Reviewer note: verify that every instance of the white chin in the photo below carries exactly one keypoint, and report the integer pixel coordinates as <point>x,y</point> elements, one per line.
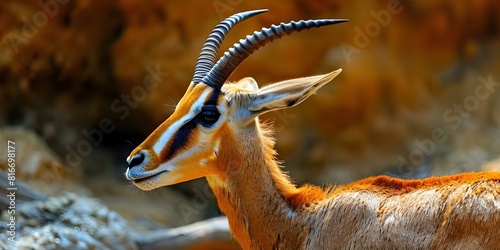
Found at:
<point>150,183</point>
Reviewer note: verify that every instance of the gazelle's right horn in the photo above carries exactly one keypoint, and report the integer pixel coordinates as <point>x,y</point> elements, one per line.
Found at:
<point>240,51</point>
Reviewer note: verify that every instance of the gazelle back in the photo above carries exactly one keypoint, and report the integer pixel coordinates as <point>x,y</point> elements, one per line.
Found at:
<point>215,133</point>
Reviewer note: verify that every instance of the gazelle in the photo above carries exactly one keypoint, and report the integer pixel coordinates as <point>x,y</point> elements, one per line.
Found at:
<point>215,132</point>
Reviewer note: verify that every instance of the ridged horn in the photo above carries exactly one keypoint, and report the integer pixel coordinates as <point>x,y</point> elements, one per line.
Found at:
<point>240,51</point>
<point>206,59</point>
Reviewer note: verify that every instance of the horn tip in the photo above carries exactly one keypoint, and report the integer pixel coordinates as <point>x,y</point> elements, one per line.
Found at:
<point>261,10</point>
<point>340,20</point>
<point>254,12</point>
<point>331,21</point>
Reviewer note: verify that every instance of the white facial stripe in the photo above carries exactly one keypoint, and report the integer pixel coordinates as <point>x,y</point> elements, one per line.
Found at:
<point>167,135</point>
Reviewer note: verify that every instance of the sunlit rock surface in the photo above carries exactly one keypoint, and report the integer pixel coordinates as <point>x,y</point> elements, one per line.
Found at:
<point>67,222</point>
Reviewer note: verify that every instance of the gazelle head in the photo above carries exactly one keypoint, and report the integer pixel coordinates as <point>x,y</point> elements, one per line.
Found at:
<point>190,142</point>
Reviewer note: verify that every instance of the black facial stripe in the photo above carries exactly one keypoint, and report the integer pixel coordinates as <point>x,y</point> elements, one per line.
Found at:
<point>213,98</point>
<point>181,138</point>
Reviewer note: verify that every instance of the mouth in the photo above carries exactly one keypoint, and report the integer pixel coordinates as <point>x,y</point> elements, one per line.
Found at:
<point>149,182</point>
<point>142,179</point>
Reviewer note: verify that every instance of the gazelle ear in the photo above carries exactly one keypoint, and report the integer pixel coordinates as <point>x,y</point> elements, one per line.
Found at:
<point>248,83</point>
<point>288,93</point>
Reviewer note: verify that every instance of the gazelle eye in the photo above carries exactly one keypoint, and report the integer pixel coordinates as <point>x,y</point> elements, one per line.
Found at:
<point>209,115</point>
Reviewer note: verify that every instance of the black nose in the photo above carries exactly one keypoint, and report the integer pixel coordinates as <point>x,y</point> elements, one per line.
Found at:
<point>137,159</point>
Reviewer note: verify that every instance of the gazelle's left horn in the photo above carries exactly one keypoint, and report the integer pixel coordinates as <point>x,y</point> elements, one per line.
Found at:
<point>206,59</point>
<point>218,75</point>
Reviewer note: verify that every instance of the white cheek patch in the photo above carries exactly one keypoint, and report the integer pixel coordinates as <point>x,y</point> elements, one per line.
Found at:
<point>167,135</point>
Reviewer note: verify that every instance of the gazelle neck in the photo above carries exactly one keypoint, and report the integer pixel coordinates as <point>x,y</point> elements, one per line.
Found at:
<point>252,191</point>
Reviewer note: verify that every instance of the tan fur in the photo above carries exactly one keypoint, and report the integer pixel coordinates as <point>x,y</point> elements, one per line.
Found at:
<point>265,210</point>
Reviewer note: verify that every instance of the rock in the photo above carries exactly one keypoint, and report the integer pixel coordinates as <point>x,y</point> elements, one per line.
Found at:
<point>34,158</point>
<point>36,164</point>
<point>67,222</point>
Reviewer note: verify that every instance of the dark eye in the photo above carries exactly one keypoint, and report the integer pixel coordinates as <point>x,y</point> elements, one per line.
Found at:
<point>209,115</point>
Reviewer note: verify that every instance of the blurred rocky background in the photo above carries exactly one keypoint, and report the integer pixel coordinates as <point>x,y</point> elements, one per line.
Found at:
<point>83,82</point>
